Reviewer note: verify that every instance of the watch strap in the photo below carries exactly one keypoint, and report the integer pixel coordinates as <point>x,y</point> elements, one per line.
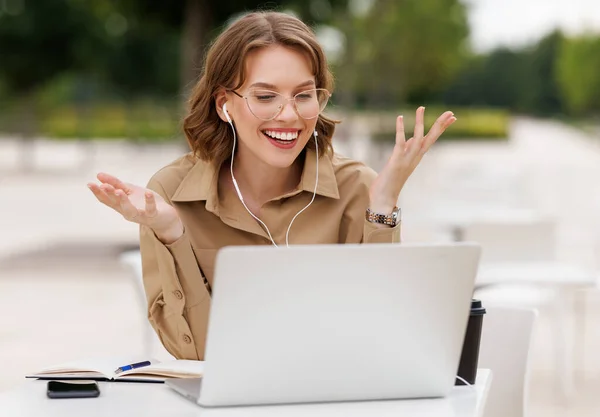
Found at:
<point>391,219</point>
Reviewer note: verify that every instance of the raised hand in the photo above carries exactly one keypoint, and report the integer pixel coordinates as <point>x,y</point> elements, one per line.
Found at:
<point>405,157</point>
<point>139,205</point>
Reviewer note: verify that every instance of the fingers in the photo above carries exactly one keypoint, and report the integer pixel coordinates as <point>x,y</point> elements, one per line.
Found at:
<point>420,123</point>
<point>150,204</point>
<point>400,136</point>
<point>414,144</point>
<point>113,181</point>
<point>406,158</point>
<point>100,194</point>
<point>440,125</point>
<point>128,210</point>
<point>110,192</point>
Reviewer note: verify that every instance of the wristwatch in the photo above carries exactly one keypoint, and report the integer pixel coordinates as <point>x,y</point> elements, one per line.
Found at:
<point>391,219</point>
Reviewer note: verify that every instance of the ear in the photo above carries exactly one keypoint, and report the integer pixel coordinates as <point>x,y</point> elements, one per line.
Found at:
<point>220,100</point>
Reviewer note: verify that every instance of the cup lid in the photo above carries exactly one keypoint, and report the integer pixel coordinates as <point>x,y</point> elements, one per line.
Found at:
<point>477,307</point>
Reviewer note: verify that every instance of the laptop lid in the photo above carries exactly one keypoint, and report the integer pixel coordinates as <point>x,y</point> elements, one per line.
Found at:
<point>337,322</point>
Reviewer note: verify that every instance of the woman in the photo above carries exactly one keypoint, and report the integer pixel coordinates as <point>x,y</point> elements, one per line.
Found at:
<point>261,171</point>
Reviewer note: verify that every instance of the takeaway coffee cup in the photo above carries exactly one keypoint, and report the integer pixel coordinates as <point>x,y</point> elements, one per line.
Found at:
<point>467,368</point>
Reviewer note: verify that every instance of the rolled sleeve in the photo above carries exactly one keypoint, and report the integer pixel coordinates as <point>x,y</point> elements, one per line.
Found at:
<point>374,234</point>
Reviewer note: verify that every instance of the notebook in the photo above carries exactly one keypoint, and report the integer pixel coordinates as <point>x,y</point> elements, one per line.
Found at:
<point>103,369</point>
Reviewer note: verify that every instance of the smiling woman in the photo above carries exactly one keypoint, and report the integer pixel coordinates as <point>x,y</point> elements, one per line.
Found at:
<point>261,157</point>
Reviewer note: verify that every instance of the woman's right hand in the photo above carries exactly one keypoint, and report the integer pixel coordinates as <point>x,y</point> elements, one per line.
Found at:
<point>139,205</point>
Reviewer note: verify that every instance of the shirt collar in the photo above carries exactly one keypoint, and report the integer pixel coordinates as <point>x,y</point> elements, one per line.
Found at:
<point>327,186</point>
<point>201,182</point>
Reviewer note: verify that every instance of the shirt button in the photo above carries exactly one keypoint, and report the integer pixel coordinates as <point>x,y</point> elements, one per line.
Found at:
<point>187,339</point>
<point>178,294</point>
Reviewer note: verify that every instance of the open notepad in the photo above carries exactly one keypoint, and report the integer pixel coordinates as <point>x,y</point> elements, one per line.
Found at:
<point>103,369</point>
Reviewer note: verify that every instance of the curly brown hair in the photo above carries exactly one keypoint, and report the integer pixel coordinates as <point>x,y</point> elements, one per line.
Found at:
<point>208,136</point>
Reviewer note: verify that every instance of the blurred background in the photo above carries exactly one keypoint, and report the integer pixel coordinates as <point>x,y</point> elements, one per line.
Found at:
<point>101,85</point>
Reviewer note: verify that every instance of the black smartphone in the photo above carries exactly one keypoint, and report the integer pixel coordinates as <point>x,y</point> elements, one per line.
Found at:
<point>73,389</point>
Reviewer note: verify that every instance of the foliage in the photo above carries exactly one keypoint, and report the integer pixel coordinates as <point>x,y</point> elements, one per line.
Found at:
<point>64,61</point>
<point>520,80</point>
<point>578,74</point>
<point>34,48</point>
<point>152,121</point>
<point>542,94</point>
<point>141,121</point>
<point>402,51</point>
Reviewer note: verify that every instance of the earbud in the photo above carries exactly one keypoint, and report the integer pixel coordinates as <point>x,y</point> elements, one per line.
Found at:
<point>226,114</point>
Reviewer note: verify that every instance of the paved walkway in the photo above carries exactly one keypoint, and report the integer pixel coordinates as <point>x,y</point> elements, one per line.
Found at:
<point>53,205</point>
<point>58,258</point>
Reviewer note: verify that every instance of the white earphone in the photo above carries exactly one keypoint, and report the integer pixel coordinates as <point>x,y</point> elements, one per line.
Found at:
<point>226,114</point>
<point>239,192</point>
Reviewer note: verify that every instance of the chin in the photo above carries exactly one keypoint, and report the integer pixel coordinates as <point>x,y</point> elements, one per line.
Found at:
<point>282,161</point>
<point>282,158</point>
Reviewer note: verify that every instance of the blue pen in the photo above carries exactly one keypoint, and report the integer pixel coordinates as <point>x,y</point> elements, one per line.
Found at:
<point>132,366</point>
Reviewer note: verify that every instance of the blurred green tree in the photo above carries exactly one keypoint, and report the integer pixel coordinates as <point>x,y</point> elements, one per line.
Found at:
<point>522,80</point>
<point>578,74</point>
<point>135,46</point>
<point>541,93</point>
<point>497,80</point>
<point>401,51</point>
<point>199,21</point>
<point>37,41</point>
<point>58,52</point>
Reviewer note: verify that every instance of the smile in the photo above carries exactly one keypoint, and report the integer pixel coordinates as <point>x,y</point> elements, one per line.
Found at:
<point>282,136</point>
<point>282,139</point>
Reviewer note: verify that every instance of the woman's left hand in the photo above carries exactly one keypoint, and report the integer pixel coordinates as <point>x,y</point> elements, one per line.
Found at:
<point>407,154</point>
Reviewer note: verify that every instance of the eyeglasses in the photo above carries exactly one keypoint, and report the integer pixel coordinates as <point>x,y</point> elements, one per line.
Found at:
<point>266,104</point>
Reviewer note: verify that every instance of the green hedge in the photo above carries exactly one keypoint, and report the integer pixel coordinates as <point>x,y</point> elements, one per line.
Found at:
<point>141,121</point>
<point>138,121</point>
<point>471,124</point>
<point>152,121</point>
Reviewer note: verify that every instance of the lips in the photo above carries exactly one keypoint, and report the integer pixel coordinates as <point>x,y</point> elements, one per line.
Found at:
<point>282,139</point>
<point>282,135</point>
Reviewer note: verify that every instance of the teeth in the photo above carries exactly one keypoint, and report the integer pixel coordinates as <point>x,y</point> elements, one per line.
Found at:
<point>282,135</point>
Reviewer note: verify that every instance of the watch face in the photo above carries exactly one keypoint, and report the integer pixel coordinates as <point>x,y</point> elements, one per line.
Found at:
<point>396,215</point>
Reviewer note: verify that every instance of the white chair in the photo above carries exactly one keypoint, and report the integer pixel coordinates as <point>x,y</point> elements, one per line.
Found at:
<point>133,261</point>
<point>519,267</point>
<point>523,252</point>
<point>151,344</point>
<point>505,349</point>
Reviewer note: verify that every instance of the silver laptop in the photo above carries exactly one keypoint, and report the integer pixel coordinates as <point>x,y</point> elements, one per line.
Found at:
<point>335,323</point>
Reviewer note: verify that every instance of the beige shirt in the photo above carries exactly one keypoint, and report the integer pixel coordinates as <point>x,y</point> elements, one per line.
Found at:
<point>178,276</point>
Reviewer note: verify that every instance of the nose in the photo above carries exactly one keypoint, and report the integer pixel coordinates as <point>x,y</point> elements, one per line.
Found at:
<point>288,112</point>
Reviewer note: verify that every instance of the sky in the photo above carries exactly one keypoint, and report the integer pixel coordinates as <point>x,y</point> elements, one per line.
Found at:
<point>515,23</point>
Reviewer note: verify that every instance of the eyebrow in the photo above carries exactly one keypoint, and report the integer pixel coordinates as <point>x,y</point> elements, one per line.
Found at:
<point>273,87</point>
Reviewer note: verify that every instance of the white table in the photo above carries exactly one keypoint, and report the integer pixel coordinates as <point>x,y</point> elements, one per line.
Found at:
<point>148,400</point>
